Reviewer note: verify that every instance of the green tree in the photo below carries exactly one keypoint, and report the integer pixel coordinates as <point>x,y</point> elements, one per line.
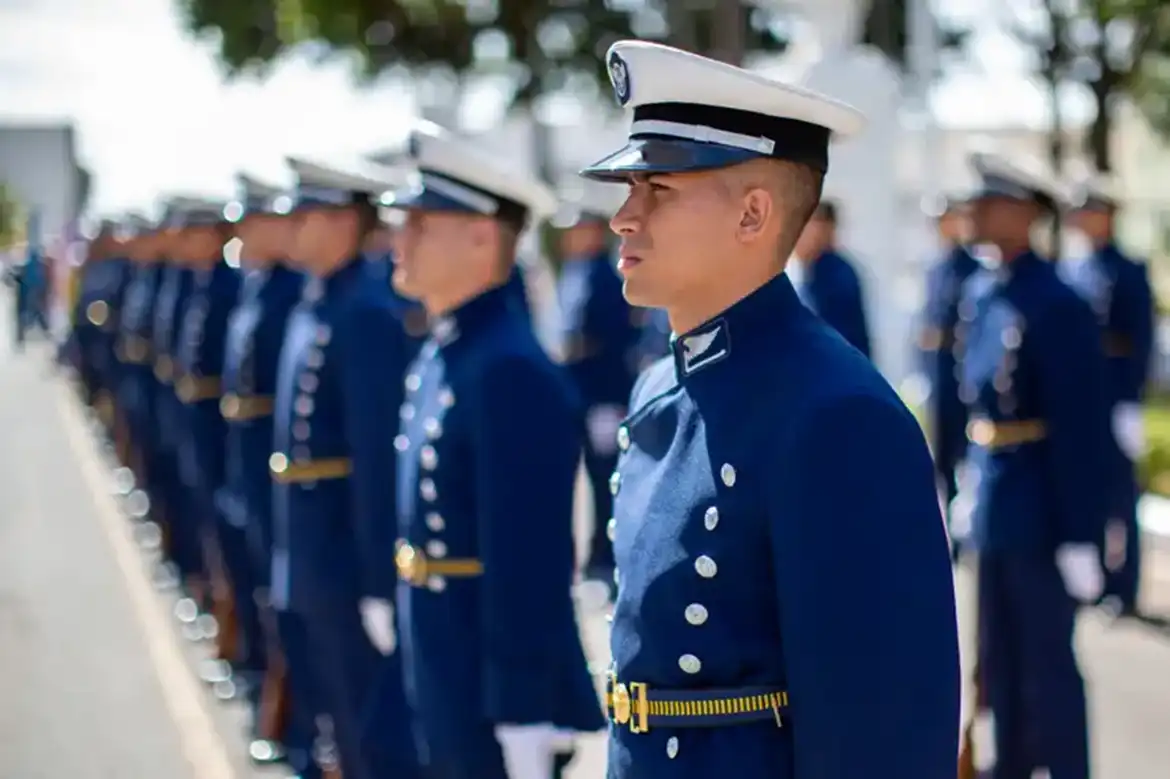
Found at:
<point>11,218</point>
<point>548,44</point>
<point>1114,48</point>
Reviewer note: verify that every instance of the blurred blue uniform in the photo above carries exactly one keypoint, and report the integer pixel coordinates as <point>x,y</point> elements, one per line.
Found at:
<point>99,306</point>
<point>832,288</point>
<point>936,343</point>
<point>1118,290</point>
<point>777,531</point>
<point>597,339</point>
<point>185,546</point>
<point>31,291</point>
<point>485,516</point>
<point>1033,377</point>
<point>337,396</point>
<point>135,352</point>
<point>198,364</point>
<point>252,352</point>
<point>255,334</point>
<point>486,531</point>
<point>340,374</point>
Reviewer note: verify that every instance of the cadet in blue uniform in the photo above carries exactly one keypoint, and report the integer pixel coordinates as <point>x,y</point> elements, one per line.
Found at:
<point>597,340</point>
<point>1118,289</point>
<point>198,361</point>
<point>270,289</point>
<point>135,353</point>
<point>170,500</point>
<point>1033,377</point>
<point>337,397</point>
<point>485,553</point>
<point>829,283</point>
<point>936,342</point>
<point>785,605</point>
<point>95,315</point>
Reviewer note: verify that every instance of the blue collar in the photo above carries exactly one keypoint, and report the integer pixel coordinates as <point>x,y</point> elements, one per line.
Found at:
<point>756,316</point>
<point>473,314</point>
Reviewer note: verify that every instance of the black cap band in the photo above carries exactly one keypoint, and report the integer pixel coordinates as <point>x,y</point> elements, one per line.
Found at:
<point>769,136</point>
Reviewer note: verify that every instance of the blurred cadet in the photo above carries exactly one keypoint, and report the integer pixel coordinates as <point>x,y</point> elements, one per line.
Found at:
<point>947,425</point>
<point>768,474</point>
<point>95,316</point>
<point>170,500</point>
<point>597,340</point>
<point>197,365</point>
<point>32,284</point>
<point>378,248</point>
<point>828,282</point>
<point>262,237</point>
<point>1118,289</point>
<point>137,389</point>
<point>101,307</point>
<point>339,387</point>
<point>1033,499</point>
<point>485,515</point>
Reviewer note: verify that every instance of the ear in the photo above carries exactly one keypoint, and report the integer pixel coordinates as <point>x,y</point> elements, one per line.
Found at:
<point>756,211</point>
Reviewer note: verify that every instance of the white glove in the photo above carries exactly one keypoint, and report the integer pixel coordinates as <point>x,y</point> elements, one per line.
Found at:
<point>603,423</point>
<point>1129,429</point>
<point>963,504</point>
<point>378,620</point>
<point>528,750</point>
<point>1080,568</point>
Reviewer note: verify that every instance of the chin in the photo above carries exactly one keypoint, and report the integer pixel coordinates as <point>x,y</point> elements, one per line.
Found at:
<point>639,294</point>
<point>401,281</point>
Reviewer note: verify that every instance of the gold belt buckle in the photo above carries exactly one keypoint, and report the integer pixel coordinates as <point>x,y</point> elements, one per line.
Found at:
<point>630,704</point>
<point>411,564</point>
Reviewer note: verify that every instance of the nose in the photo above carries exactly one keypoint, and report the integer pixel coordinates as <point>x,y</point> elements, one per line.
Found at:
<point>628,218</point>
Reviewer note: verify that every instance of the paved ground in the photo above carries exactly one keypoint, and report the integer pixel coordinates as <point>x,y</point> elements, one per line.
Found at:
<point>99,685</point>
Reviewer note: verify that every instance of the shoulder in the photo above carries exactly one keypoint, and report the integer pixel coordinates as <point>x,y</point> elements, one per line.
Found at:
<point>812,373</point>
<point>979,285</point>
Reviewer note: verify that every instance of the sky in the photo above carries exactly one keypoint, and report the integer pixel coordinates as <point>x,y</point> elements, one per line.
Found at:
<point>154,113</point>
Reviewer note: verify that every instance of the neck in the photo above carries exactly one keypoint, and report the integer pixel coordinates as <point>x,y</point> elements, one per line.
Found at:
<point>449,300</point>
<point>715,300</point>
<point>260,263</point>
<point>1010,250</point>
<point>204,263</point>
<point>1103,242</point>
<point>814,255</point>
<point>327,267</point>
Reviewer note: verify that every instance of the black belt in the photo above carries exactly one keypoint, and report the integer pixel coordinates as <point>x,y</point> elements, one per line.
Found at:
<point>636,705</point>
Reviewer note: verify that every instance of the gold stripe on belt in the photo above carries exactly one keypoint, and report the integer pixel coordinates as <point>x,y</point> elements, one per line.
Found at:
<point>164,369</point>
<point>285,471</point>
<point>1001,435</point>
<point>134,350</point>
<point>242,408</point>
<point>196,389</point>
<point>414,567</point>
<point>932,339</point>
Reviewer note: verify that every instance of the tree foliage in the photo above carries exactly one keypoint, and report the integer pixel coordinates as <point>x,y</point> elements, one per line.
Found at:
<point>546,43</point>
<point>1114,48</point>
<point>11,217</point>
